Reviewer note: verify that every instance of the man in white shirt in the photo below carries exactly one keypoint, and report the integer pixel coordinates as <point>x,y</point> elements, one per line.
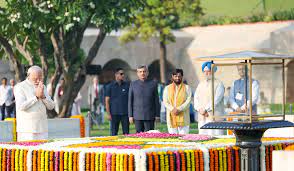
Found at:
<point>6,96</point>
<point>202,100</point>
<point>176,99</point>
<point>95,99</point>
<point>32,100</point>
<point>237,93</point>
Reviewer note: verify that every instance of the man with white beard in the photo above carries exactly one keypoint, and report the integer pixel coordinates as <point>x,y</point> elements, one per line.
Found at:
<point>202,100</point>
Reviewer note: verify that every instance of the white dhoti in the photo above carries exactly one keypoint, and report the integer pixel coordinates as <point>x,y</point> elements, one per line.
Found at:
<point>25,136</point>
<point>179,130</point>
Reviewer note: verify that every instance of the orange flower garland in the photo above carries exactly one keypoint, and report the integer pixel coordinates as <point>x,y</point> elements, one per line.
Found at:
<point>237,165</point>
<point>216,166</point>
<point>92,156</point>
<point>150,161</point>
<point>211,160</point>
<point>156,161</point>
<point>25,152</point>
<point>87,161</point>
<point>82,124</point>
<point>4,159</point>
<point>229,159</point>
<point>61,162</point>
<point>125,162</point>
<point>182,154</point>
<point>171,160</point>
<point>289,148</point>
<point>131,162</point>
<point>201,160</point>
<point>51,160</point>
<point>113,162</point>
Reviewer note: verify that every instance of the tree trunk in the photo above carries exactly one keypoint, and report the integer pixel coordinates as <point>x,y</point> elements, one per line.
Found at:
<point>18,68</point>
<point>74,82</point>
<point>162,62</point>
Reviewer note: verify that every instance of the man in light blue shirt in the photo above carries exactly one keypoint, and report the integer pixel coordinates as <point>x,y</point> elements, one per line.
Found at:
<point>237,93</point>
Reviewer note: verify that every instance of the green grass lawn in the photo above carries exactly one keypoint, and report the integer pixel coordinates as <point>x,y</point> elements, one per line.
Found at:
<point>243,7</point>
<point>104,130</point>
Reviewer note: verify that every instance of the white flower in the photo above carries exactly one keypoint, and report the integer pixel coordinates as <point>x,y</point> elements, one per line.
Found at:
<point>124,10</point>
<point>48,2</point>
<point>76,19</point>
<point>42,30</point>
<point>66,13</point>
<point>18,14</point>
<point>27,25</point>
<point>92,5</point>
<point>68,26</point>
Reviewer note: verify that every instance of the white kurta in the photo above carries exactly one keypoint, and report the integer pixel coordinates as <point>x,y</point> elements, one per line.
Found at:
<point>202,99</point>
<point>183,108</point>
<point>31,114</point>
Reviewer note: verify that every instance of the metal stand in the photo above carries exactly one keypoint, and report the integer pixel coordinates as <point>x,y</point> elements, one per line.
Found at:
<point>248,138</point>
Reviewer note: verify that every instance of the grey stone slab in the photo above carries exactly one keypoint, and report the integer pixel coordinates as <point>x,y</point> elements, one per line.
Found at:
<point>6,131</point>
<point>64,128</point>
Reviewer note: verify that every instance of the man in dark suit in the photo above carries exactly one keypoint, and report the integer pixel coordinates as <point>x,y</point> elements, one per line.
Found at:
<point>144,106</point>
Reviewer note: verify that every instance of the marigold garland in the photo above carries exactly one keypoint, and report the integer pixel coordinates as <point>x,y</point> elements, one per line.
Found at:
<point>21,161</point>
<point>12,159</point>
<point>131,162</point>
<point>156,161</point>
<point>220,154</point>
<point>188,160</point>
<point>150,161</point>
<point>61,162</point>
<point>166,162</point>
<point>82,124</point>
<point>229,151</point>
<point>16,160</point>
<point>46,160</point>
<point>289,148</point>
<point>113,160</point>
<point>96,161</point>
<point>70,160</point>
<point>117,162</point>
<point>65,161</point>
<point>201,161</point>
<point>51,160</point>
<point>125,166</point>
<point>4,159</point>
<point>237,159</point>
<point>92,161</point>
<point>87,160</point>
<point>183,160</point>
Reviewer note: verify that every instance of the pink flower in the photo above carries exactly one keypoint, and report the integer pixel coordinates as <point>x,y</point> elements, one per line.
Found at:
<point>153,135</point>
<point>196,137</point>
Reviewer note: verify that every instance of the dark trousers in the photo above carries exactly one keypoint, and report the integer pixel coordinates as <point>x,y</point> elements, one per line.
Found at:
<point>2,112</point>
<point>9,110</point>
<point>115,120</point>
<point>144,125</point>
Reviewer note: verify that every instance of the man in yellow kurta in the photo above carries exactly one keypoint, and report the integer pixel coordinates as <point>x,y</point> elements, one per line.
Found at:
<point>176,99</point>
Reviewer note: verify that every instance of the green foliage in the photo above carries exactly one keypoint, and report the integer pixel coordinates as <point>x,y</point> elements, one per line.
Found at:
<point>159,17</point>
<point>258,17</point>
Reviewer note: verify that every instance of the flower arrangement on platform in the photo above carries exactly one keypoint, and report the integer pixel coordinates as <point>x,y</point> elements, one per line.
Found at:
<point>153,135</point>
<point>82,124</point>
<point>112,153</point>
<point>196,137</point>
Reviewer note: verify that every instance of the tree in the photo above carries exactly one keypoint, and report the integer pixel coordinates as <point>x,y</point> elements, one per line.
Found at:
<point>158,18</point>
<point>51,32</point>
